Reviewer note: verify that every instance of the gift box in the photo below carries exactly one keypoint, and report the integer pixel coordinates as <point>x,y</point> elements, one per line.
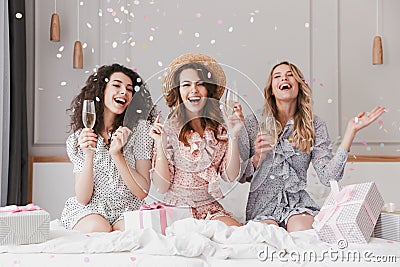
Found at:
<point>23,225</point>
<point>157,216</point>
<point>388,226</point>
<point>349,214</point>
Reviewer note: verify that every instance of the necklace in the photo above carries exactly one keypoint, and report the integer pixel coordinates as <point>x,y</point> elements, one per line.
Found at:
<point>107,141</point>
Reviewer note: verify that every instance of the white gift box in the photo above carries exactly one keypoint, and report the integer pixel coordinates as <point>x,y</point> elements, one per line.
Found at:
<point>349,214</point>
<point>21,225</point>
<point>157,216</point>
<point>388,226</point>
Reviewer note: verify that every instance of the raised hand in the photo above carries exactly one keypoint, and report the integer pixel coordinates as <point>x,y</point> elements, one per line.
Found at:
<point>156,130</point>
<point>119,139</point>
<point>235,121</point>
<point>363,119</point>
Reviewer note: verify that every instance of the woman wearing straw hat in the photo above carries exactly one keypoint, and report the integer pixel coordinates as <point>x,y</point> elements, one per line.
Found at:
<point>191,152</point>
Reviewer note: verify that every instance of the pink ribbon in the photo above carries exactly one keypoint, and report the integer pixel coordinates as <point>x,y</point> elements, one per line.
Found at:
<point>341,199</point>
<point>162,207</point>
<point>15,208</point>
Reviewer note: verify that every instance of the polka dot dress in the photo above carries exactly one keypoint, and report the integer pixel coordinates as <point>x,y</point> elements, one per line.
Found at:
<point>110,196</point>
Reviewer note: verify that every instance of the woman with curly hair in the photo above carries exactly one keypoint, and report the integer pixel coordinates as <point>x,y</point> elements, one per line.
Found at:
<point>111,161</point>
<point>277,169</point>
<point>190,149</point>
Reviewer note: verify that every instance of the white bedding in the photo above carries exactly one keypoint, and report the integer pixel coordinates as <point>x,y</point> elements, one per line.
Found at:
<point>192,242</point>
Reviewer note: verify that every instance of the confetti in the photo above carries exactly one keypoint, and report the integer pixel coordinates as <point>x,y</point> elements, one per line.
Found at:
<point>139,111</point>
<point>382,145</point>
<point>114,44</point>
<point>307,25</point>
<point>106,80</point>
<point>230,29</point>
<point>133,43</point>
<point>321,84</point>
<point>128,59</point>
<point>110,10</point>
<point>151,38</point>
<point>97,99</point>
<point>132,258</point>
<point>368,148</point>
<point>137,88</point>
<point>100,13</point>
<point>86,259</point>
<point>219,21</point>
<point>40,89</point>
<point>63,83</point>
<point>209,75</point>
<point>18,15</point>
<point>160,63</point>
<point>180,32</point>
<point>92,50</point>
<point>380,122</point>
<point>136,2</point>
<point>88,25</point>
<point>251,19</point>
<point>197,35</point>
<point>116,20</point>
<point>81,3</point>
<point>276,28</point>
<point>61,48</point>
<point>198,15</point>
<point>59,55</point>
<point>59,98</point>
<point>138,80</point>
<point>212,41</point>
<point>330,101</point>
<point>84,45</point>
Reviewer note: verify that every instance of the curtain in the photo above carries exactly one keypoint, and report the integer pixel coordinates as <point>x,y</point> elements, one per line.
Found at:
<point>4,102</point>
<point>18,131</point>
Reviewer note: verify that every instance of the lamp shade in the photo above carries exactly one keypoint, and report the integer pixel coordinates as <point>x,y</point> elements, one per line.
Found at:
<point>377,53</point>
<point>55,28</point>
<point>78,55</point>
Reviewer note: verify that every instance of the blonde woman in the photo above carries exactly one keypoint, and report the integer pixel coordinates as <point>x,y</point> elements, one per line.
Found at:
<point>277,169</point>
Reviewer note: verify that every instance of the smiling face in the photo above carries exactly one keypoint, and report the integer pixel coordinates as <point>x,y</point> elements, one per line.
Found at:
<point>192,91</point>
<point>284,85</point>
<point>118,93</point>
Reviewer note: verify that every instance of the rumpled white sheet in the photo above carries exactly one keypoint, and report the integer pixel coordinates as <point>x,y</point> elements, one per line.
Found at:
<point>193,238</point>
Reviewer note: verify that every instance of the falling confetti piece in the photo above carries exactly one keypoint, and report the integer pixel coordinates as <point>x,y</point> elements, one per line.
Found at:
<point>61,48</point>
<point>110,10</point>
<point>313,174</point>
<point>251,19</point>
<point>212,41</point>
<point>88,25</point>
<point>138,80</point>
<point>100,13</point>
<point>128,59</point>
<point>132,258</point>
<point>160,63</point>
<point>321,84</point>
<point>364,142</point>
<point>307,25</point>
<point>59,98</point>
<point>351,169</point>
<point>198,45</point>
<point>198,15</point>
<point>97,99</point>
<point>52,256</point>
<point>137,88</point>
<point>133,43</point>
<point>18,15</point>
<point>197,35</point>
<point>382,145</point>
<point>114,44</point>
<point>139,111</point>
<point>151,38</point>
<point>230,29</point>
<point>368,148</point>
<point>63,83</point>
<point>92,50</point>
<point>272,177</point>
<point>144,46</point>
<point>209,75</point>
<point>380,122</point>
<point>116,20</point>
<point>180,32</point>
<point>276,28</point>
<point>84,45</point>
<point>40,89</point>
<point>86,259</point>
<point>136,2</point>
<point>345,118</point>
<point>219,21</point>
<point>59,55</point>
<point>106,80</point>
<point>81,3</point>
<point>330,101</point>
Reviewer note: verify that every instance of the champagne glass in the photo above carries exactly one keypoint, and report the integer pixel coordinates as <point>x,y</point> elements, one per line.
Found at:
<point>88,114</point>
<point>269,128</point>
<point>230,98</point>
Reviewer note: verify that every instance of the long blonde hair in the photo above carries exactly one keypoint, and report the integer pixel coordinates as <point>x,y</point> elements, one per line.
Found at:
<point>303,131</point>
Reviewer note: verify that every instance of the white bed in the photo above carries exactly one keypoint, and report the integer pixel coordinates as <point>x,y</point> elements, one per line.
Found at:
<point>191,242</point>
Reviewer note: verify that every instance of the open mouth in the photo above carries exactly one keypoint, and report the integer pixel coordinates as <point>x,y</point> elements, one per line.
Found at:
<point>285,86</point>
<point>120,101</point>
<point>194,99</point>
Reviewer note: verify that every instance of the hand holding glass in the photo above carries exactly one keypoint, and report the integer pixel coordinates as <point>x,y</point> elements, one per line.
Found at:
<point>88,114</point>
<point>269,128</point>
<point>230,98</point>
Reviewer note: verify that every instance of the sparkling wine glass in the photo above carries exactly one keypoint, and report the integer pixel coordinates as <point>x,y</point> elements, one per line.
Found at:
<point>269,128</point>
<point>230,98</point>
<point>88,114</point>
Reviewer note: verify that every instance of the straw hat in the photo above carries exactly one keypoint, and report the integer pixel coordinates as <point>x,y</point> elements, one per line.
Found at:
<point>215,70</point>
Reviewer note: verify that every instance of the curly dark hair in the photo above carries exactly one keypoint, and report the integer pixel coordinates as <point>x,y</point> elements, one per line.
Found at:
<point>94,89</point>
<point>211,116</point>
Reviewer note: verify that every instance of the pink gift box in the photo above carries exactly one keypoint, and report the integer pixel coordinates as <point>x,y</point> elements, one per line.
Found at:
<point>349,214</point>
<point>157,216</point>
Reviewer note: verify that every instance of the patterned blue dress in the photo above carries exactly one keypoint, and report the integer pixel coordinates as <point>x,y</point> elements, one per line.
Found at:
<point>277,189</point>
